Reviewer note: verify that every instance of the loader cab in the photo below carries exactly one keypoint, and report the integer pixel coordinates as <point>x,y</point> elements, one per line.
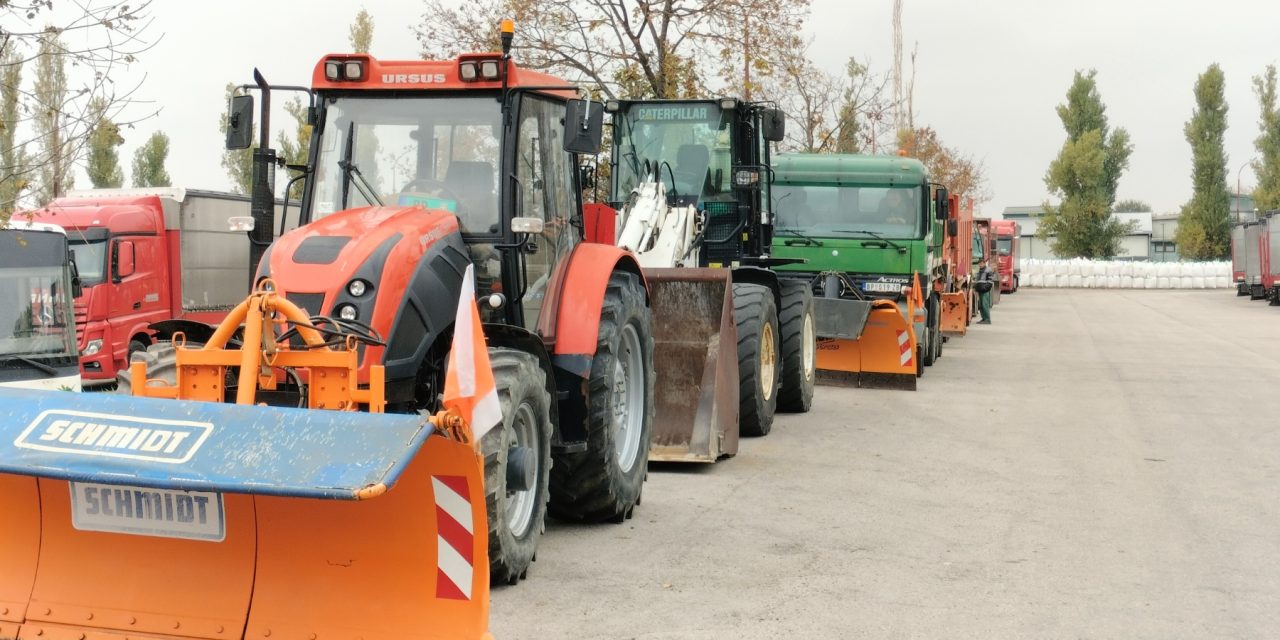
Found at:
<point>710,154</point>
<point>494,157</point>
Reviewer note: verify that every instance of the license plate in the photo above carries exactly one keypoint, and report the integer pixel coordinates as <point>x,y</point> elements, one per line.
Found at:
<point>162,513</point>
<point>882,287</point>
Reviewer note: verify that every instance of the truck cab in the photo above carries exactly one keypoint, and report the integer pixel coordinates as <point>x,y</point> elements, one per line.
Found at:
<point>147,256</point>
<point>1006,232</point>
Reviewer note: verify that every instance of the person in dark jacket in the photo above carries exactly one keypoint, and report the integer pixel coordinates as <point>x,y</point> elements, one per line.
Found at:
<point>988,276</point>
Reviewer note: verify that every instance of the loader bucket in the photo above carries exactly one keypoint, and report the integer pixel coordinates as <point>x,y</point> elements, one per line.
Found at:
<point>879,352</point>
<point>955,313</point>
<point>696,357</point>
<point>139,517</point>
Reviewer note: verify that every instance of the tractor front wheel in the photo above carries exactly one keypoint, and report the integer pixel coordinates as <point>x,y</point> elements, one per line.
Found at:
<point>517,460</point>
<point>603,483</point>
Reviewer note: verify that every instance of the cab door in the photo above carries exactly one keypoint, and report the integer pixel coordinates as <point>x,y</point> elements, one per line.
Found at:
<point>138,281</point>
<point>545,190</point>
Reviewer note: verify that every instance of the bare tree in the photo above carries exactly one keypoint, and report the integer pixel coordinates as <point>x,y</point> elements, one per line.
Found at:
<point>625,48</point>
<point>830,113</point>
<point>81,49</point>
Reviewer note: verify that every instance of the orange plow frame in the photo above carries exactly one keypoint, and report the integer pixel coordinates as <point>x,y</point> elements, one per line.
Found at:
<point>883,356</point>
<point>409,561</point>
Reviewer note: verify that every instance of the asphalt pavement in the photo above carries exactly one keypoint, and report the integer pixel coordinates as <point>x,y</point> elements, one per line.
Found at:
<point>1096,464</point>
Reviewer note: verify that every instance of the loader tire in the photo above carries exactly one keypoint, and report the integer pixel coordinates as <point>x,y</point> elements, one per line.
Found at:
<point>162,365</point>
<point>799,347</point>
<point>756,316</point>
<point>516,518</point>
<point>604,482</point>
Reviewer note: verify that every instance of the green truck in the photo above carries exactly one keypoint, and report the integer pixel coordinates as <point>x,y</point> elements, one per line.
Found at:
<point>866,226</point>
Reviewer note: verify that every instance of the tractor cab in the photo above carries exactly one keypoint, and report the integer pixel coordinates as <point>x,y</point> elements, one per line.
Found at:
<point>710,154</point>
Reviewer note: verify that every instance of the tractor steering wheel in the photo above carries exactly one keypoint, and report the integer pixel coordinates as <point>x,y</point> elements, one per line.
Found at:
<point>428,185</point>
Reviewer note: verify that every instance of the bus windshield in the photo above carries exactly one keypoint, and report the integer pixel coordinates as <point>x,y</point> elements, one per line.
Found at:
<point>35,296</point>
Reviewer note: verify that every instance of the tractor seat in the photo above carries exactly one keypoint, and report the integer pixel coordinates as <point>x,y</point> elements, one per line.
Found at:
<point>472,182</point>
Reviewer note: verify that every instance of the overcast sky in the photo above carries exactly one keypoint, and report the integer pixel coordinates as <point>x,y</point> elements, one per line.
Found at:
<point>988,75</point>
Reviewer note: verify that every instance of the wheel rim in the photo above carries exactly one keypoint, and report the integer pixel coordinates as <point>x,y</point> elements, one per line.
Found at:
<point>810,347</point>
<point>768,361</point>
<point>628,399</point>
<point>521,504</point>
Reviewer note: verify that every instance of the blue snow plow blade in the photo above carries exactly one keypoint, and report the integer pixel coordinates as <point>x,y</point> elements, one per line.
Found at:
<point>205,446</point>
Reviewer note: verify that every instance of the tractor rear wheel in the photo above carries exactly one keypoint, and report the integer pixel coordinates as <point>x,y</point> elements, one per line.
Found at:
<point>799,347</point>
<point>756,315</point>
<point>603,483</point>
<point>517,459</point>
<point>162,364</point>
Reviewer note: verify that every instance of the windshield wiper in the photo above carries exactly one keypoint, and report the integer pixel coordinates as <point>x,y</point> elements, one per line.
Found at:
<point>350,170</point>
<point>799,238</point>
<point>362,185</point>
<point>900,248</point>
<point>34,364</point>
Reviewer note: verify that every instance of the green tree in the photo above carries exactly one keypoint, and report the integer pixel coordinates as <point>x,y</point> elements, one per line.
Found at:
<point>52,122</point>
<point>1085,176</point>
<point>238,163</point>
<point>104,163</point>
<point>1204,228</point>
<point>1131,206</point>
<point>13,160</point>
<point>361,34</point>
<point>148,162</point>
<point>1267,166</point>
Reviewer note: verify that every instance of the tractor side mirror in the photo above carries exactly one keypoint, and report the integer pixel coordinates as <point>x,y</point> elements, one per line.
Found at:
<point>240,122</point>
<point>583,126</point>
<point>942,207</point>
<point>774,125</point>
<point>124,263</point>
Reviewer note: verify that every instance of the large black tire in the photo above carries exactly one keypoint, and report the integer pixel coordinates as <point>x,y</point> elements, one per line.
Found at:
<point>756,315</point>
<point>162,365</point>
<point>799,347</point>
<point>933,339</point>
<point>604,482</point>
<point>516,518</point>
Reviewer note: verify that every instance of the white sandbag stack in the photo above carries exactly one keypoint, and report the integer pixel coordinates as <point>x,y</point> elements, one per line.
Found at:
<point>1080,273</point>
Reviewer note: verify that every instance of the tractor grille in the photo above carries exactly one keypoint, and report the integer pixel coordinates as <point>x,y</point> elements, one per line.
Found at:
<point>309,302</point>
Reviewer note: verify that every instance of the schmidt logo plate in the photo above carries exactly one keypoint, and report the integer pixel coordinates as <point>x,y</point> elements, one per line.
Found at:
<point>115,436</point>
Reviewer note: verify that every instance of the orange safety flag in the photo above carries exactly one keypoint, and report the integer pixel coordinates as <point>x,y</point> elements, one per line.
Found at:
<point>468,383</point>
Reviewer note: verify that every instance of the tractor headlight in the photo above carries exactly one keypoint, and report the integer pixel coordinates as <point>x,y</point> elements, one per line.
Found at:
<point>468,71</point>
<point>93,347</point>
<point>348,312</point>
<point>489,69</point>
<point>353,70</point>
<point>332,70</point>
<point>357,288</point>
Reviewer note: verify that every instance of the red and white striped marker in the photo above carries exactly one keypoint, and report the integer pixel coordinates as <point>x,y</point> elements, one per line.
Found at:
<point>455,539</point>
<point>904,348</point>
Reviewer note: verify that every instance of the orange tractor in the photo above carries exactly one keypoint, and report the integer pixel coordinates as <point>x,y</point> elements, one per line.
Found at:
<point>334,498</point>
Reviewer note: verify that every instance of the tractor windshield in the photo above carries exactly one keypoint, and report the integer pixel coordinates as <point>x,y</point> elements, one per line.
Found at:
<point>438,152</point>
<point>688,144</point>
<point>889,211</point>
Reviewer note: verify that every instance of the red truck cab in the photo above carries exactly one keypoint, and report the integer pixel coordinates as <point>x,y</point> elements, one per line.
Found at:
<point>147,256</point>
<point>1007,232</point>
